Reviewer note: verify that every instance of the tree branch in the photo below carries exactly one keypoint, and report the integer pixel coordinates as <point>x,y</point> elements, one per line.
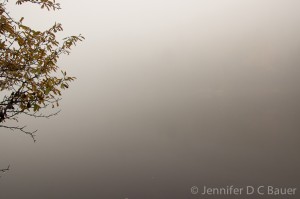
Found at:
<point>22,129</point>
<point>4,170</point>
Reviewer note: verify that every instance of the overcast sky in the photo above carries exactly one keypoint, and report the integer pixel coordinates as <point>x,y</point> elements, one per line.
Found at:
<point>169,94</point>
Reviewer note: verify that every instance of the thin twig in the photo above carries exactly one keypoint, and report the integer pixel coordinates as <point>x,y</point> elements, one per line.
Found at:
<point>4,170</point>
<point>22,129</point>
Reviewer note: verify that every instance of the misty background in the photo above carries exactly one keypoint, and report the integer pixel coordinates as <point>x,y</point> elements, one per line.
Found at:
<point>169,95</point>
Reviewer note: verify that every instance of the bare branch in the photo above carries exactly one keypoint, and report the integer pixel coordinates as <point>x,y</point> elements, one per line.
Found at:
<point>5,170</point>
<point>35,115</point>
<point>22,129</point>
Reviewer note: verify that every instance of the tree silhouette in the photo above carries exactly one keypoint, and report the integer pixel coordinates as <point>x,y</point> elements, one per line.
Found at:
<point>30,79</point>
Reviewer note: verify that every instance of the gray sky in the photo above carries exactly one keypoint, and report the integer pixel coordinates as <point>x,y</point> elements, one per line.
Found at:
<point>170,94</point>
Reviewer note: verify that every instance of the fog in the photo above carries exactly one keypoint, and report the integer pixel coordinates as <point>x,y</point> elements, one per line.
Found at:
<point>169,95</point>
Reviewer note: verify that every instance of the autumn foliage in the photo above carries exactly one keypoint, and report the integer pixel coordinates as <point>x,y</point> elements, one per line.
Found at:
<point>30,78</point>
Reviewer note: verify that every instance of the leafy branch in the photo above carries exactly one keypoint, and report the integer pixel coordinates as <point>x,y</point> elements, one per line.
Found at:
<point>30,79</point>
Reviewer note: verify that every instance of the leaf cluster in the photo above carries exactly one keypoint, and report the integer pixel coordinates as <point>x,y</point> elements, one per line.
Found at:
<point>30,78</point>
